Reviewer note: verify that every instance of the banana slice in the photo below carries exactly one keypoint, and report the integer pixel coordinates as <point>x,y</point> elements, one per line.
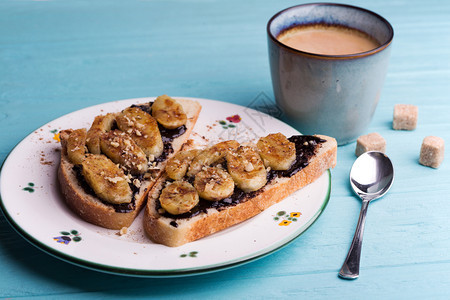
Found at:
<point>246,168</point>
<point>101,124</point>
<point>75,146</point>
<point>213,184</point>
<point>178,164</point>
<point>211,155</point>
<point>143,129</point>
<point>277,151</point>
<point>106,179</point>
<point>121,149</point>
<point>168,112</point>
<point>178,198</point>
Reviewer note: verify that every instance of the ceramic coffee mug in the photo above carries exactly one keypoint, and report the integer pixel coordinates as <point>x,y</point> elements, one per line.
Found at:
<point>335,95</point>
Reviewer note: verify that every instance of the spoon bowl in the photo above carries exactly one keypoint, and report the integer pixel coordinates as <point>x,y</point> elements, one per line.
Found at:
<point>371,177</point>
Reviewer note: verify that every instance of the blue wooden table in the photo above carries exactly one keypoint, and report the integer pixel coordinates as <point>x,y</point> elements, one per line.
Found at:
<point>61,56</point>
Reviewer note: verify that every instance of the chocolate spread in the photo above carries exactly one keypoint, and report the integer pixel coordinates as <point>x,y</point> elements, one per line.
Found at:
<point>305,148</point>
<point>168,135</point>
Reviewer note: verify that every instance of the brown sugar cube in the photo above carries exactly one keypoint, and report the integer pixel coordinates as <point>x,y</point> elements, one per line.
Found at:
<point>405,117</point>
<point>432,151</point>
<point>370,142</point>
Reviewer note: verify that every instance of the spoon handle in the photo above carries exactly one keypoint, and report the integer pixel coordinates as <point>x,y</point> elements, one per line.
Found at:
<point>350,268</point>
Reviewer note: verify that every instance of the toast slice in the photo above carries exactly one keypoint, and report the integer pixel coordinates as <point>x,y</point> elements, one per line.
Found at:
<point>312,160</point>
<point>83,200</point>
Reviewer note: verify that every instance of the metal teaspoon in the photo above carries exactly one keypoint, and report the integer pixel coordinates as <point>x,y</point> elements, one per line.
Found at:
<point>371,177</point>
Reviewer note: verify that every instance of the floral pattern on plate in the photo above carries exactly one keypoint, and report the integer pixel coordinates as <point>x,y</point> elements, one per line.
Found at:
<point>67,237</point>
<point>286,218</point>
<point>232,121</point>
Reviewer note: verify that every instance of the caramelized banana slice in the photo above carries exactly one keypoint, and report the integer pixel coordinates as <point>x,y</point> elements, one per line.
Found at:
<point>247,169</point>
<point>178,164</point>
<point>75,146</point>
<point>101,124</point>
<point>106,179</point>
<point>213,184</point>
<point>211,155</point>
<point>143,129</point>
<point>178,197</point>
<point>121,149</point>
<point>277,151</point>
<point>168,112</point>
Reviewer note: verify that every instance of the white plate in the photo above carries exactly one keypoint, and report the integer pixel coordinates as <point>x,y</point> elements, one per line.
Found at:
<point>33,204</point>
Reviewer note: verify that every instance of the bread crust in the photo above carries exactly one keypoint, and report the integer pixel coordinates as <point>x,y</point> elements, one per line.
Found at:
<point>159,229</point>
<point>95,211</point>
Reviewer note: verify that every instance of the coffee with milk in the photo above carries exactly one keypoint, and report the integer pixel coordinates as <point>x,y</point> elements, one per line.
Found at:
<point>327,40</point>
